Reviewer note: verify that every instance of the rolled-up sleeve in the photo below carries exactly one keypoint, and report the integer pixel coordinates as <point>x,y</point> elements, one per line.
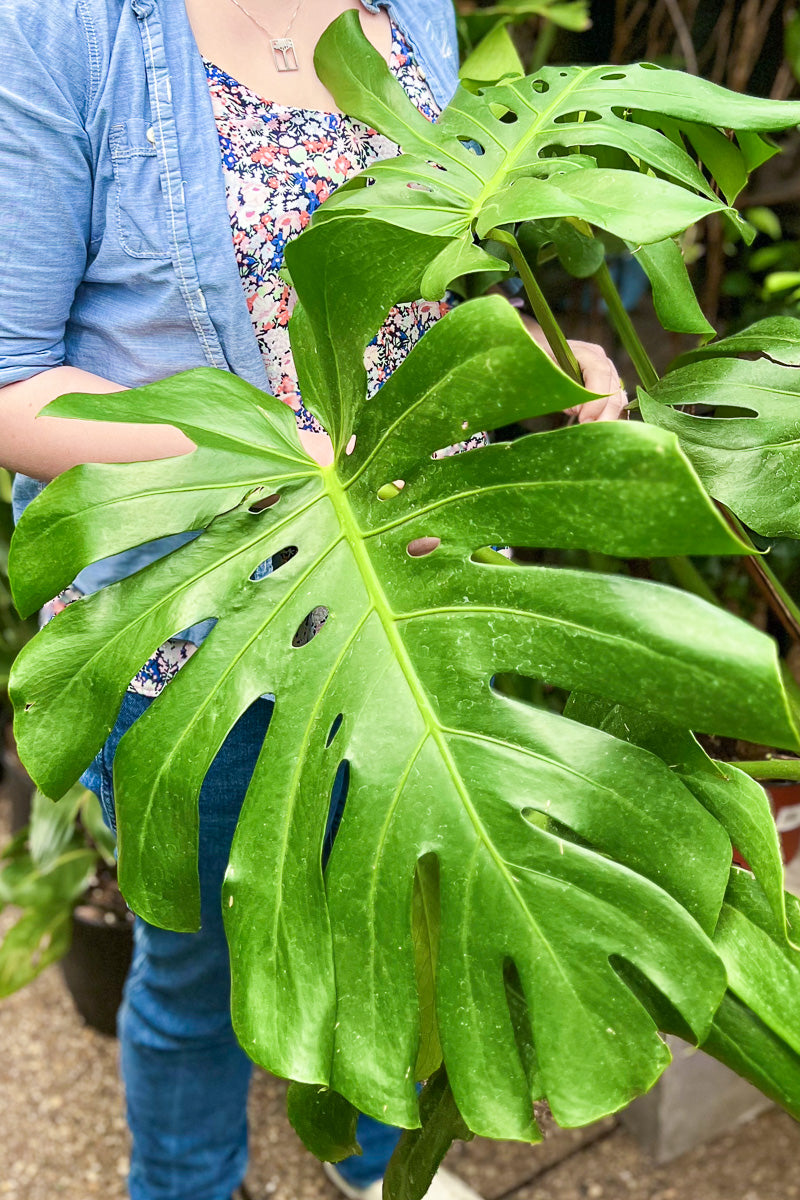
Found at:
<point>45,179</point>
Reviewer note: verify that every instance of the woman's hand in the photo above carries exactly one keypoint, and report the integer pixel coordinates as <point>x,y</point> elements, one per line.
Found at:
<point>599,375</point>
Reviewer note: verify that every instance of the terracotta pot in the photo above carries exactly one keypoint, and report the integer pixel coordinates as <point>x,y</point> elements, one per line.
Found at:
<point>96,966</point>
<point>785,801</point>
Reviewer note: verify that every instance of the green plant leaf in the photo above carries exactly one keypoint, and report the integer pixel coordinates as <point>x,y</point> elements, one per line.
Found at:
<point>561,850</point>
<point>748,1046</point>
<point>58,885</point>
<point>324,1121</point>
<point>734,799</point>
<point>777,338</point>
<point>623,203</point>
<point>674,299</point>
<point>578,253</point>
<point>763,968</point>
<point>494,57</point>
<point>52,826</point>
<point>569,14</point>
<point>750,462</point>
<point>40,937</point>
<point>520,150</point>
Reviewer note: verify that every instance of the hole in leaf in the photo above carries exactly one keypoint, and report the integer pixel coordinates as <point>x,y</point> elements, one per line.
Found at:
<point>341,786</point>
<point>334,729</point>
<point>563,74</point>
<point>540,85</point>
<point>273,564</point>
<point>509,117</point>
<point>722,412</point>
<point>615,75</point>
<point>351,445</point>
<point>420,547</point>
<point>519,1011</point>
<point>650,66</point>
<point>264,502</point>
<point>578,116</point>
<point>415,186</point>
<point>531,691</point>
<point>473,146</point>
<point>390,490</point>
<point>310,626</point>
<point>425,925</point>
<point>29,706</point>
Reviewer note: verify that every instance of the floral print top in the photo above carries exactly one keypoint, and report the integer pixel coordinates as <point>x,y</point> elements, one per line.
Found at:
<point>280,163</point>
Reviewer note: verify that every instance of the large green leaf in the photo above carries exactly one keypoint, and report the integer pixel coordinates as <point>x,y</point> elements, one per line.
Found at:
<point>735,800</point>
<point>763,968</point>
<point>749,456</point>
<point>549,145</point>
<point>560,848</point>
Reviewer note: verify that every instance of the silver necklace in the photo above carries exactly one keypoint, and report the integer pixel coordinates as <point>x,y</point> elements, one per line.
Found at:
<point>283,47</point>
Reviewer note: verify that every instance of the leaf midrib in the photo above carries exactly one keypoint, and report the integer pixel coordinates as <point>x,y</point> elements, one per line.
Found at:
<point>436,731</point>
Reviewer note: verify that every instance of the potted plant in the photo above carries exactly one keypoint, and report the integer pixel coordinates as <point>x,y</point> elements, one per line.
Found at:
<point>517,898</point>
<point>60,870</point>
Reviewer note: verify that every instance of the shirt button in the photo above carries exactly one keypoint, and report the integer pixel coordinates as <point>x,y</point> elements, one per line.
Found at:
<point>151,135</point>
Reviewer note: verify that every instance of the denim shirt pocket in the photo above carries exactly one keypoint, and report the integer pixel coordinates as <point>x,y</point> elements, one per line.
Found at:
<point>140,209</point>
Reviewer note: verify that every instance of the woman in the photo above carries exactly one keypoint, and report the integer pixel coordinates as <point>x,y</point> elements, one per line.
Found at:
<point>155,157</point>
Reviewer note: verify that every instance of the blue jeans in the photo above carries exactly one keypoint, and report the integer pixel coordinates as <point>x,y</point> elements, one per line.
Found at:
<point>186,1077</point>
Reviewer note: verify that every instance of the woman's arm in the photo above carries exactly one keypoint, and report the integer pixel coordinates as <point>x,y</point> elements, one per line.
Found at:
<point>43,447</point>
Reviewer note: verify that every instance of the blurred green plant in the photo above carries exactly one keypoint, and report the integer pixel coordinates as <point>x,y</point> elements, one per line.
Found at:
<point>45,871</point>
<point>476,23</point>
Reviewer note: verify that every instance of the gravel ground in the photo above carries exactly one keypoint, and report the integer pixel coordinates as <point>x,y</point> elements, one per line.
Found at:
<point>62,1133</point>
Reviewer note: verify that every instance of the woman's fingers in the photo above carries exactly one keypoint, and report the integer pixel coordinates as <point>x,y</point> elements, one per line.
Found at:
<point>599,375</point>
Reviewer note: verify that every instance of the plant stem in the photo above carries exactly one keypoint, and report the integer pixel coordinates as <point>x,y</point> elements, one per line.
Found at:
<point>544,44</point>
<point>541,309</point>
<point>769,768</point>
<point>690,579</point>
<point>767,582</point>
<point>625,328</point>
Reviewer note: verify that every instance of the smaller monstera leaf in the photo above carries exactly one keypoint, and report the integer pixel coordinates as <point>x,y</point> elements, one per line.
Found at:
<point>742,428</point>
<point>736,801</point>
<point>545,146</point>
<point>762,965</point>
<point>562,851</point>
<point>479,22</point>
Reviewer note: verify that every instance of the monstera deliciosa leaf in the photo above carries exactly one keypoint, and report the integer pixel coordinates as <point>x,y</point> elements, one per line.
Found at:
<point>615,146</point>
<point>742,427</point>
<point>480,835</point>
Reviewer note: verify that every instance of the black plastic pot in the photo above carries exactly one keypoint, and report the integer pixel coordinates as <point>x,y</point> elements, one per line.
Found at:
<point>96,966</point>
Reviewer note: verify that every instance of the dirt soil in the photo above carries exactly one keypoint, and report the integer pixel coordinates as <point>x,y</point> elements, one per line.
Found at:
<point>63,1135</point>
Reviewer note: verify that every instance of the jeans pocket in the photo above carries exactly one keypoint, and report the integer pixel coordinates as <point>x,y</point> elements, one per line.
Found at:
<point>140,209</point>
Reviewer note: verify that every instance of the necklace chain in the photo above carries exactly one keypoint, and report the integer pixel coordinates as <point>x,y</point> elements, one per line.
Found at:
<point>263,27</point>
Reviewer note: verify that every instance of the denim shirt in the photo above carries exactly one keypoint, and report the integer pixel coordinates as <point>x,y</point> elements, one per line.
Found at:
<point>115,239</point>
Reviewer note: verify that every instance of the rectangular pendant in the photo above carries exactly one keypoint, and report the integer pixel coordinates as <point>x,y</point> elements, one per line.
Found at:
<point>284,55</point>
